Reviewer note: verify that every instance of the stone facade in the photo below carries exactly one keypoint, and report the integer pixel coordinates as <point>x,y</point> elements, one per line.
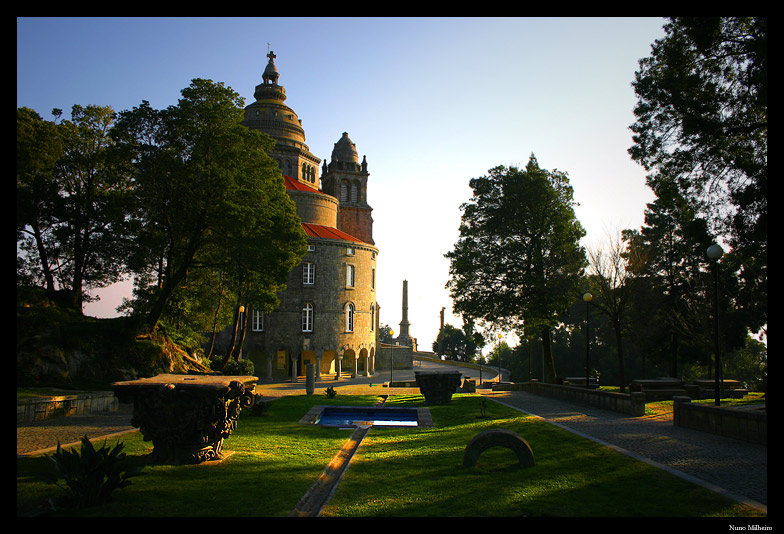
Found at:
<point>328,314</point>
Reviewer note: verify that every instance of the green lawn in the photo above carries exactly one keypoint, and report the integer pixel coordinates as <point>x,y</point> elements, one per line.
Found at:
<point>397,472</point>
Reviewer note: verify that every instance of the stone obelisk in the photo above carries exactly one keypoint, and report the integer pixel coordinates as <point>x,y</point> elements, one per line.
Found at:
<point>404,337</point>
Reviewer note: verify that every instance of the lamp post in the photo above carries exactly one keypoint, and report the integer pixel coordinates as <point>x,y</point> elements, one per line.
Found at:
<point>242,330</point>
<point>715,252</point>
<point>391,360</point>
<point>587,297</point>
<point>499,357</point>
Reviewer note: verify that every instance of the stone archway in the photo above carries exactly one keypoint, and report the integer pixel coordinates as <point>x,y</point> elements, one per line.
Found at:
<point>328,361</point>
<point>498,437</point>
<point>349,361</point>
<point>364,363</point>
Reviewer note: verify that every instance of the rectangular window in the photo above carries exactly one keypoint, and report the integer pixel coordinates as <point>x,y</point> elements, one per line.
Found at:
<point>350,251</point>
<point>308,274</point>
<point>311,248</point>
<point>349,276</point>
<point>257,321</point>
<point>307,318</point>
<point>373,278</point>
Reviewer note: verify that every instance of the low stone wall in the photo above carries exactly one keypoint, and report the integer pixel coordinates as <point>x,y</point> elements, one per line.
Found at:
<point>402,356</point>
<point>38,408</point>
<point>631,404</point>
<point>743,424</point>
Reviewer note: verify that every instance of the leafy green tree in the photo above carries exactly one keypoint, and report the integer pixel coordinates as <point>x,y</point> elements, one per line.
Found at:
<point>385,334</point>
<point>208,197</point>
<point>615,270</point>
<point>455,344</point>
<point>673,241</point>
<point>74,206</point>
<point>518,261</point>
<point>38,147</point>
<point>702,125</point>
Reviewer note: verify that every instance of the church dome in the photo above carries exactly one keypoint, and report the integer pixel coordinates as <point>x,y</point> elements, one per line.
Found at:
<point>345,150</point>
<point>270,115</point>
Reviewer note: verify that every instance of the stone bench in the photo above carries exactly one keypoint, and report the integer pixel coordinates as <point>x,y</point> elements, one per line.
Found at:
<point>579,381</point>
<point>706,389</point>
<point>659,388</point>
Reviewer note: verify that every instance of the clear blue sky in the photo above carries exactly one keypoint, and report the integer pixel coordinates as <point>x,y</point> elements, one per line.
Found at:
<point>431,102</point>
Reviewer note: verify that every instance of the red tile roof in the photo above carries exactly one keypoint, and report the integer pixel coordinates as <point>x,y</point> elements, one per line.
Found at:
<point>296,185</point>
<point>317,230</point>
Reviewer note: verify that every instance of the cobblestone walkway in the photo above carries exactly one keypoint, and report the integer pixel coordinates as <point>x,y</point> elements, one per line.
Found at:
<point>730,466</point>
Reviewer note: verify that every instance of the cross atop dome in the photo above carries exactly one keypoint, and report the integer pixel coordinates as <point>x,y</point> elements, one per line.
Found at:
<point>271,72</point>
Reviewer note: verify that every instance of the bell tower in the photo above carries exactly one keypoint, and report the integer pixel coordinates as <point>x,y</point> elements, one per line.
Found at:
<point>346,179</point>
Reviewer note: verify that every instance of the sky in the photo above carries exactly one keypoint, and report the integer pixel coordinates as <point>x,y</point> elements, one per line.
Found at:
<point>430,102</point>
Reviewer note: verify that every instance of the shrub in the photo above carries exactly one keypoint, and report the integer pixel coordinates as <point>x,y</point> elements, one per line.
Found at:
<point>330,392</point>
<point>233,367</point>
<point>92,477</point>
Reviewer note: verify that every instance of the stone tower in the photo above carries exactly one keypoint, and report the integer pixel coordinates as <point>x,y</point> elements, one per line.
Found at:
<point>270,115</point>
<point>346,179</point>
<point>328,315</point>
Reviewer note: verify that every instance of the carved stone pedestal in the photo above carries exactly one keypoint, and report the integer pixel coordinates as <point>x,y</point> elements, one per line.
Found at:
<point>437,386</point>
<point>186,417</point>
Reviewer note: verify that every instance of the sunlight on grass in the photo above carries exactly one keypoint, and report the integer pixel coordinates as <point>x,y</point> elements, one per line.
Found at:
<point>396,472</point>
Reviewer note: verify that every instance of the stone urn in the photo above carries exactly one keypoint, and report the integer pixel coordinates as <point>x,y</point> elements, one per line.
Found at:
<point>437,386</point>
<point>186,417</point>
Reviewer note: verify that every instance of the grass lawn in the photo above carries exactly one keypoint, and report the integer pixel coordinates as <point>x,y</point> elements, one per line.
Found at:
<point>396,472</point>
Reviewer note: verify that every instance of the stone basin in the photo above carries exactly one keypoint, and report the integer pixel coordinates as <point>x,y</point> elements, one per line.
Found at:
<point>437,386</point>
<point>186,417</point>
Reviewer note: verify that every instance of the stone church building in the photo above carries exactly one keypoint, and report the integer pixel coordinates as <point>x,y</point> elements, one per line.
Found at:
<point>328,315</point>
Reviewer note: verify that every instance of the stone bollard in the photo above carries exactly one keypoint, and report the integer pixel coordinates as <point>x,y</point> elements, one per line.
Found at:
<point>310,379</point>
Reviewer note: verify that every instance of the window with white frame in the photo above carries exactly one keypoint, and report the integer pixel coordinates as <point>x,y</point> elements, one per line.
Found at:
<point>308,273</point>
<point>257,321</point>
<point>307,317</point>
<point>350,276</point>
<point>350,317</point>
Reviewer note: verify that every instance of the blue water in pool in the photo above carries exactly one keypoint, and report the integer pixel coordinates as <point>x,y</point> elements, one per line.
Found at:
<point>352,416</point>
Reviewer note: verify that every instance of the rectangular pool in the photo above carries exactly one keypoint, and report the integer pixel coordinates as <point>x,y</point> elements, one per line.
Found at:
<point>347,416</point>
<point>353,416</point>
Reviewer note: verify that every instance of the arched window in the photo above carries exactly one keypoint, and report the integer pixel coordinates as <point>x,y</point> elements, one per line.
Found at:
<point>307,317</point>
<point>350,317</point>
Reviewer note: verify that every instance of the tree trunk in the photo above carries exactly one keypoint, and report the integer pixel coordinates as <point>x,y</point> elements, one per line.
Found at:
<point>238,348</point>
<point>547,358</point>
<point>621,372</point>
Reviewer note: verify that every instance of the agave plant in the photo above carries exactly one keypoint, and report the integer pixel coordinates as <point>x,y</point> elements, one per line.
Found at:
<point>92,476</point>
